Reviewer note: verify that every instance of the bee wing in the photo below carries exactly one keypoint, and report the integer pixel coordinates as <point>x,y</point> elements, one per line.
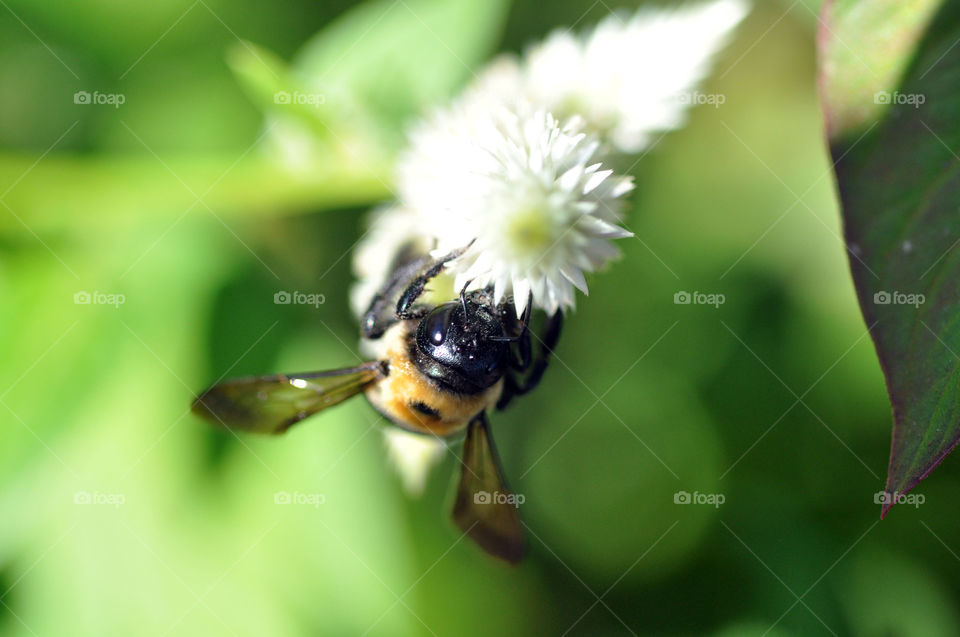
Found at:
<point>271,404</point>
<point>483,508</point>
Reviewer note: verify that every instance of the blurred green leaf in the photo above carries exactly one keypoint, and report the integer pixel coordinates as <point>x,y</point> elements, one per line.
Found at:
<point>865,47</point>
<point>337,124</point>
<point>399,58</point>
<point>757,629</point>
<point>885,593</point>
<point>260,71</point>
<point>621,476</point>
<point>898,187</point>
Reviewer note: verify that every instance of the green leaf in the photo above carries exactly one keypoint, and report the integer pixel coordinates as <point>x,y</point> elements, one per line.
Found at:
<point>898,176</point>
<point>339,124</point>
<point>346,98</point>
<point>399,58</point>
<point>259,70</point>
<point>865,46</point>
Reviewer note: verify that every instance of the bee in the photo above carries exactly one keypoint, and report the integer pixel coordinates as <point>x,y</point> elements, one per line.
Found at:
<point>439,370</point>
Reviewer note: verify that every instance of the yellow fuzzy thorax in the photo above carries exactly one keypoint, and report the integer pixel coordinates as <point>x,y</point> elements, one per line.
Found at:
<point>405,385</point>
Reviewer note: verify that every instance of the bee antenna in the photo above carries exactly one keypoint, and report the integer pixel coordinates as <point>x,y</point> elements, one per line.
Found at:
<point>463,296</point>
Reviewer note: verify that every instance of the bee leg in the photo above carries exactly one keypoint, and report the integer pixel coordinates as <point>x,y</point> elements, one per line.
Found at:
<point>523,354</point>
<point>510,389</point>
<point>547,344</point>
<point>405,304</point>
<point>517,333</point>
<point>514,387</point>
<point>394,301</point>
<point>381,314</point>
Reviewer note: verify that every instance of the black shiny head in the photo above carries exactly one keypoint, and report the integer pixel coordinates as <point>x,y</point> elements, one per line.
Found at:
<point>456,344</point>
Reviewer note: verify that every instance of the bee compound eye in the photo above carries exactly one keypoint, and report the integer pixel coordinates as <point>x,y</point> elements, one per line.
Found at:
<point>435,324</point>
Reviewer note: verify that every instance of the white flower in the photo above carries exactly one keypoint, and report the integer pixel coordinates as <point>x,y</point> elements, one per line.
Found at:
<point>515,165</point>
<point>412,455</point>
<point>630,77</point>
<point>529,193</point>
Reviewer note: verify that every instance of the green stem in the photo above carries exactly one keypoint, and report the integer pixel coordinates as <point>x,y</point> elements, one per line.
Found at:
<point>61,192</point>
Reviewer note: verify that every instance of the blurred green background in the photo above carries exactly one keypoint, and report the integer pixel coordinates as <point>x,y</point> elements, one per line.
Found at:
<point>123,514</point>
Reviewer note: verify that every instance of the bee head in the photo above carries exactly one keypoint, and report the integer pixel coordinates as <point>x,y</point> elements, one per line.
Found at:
<point>459,347</point>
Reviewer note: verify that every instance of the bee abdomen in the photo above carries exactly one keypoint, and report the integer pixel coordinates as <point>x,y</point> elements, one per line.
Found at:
<point>423,408</point>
